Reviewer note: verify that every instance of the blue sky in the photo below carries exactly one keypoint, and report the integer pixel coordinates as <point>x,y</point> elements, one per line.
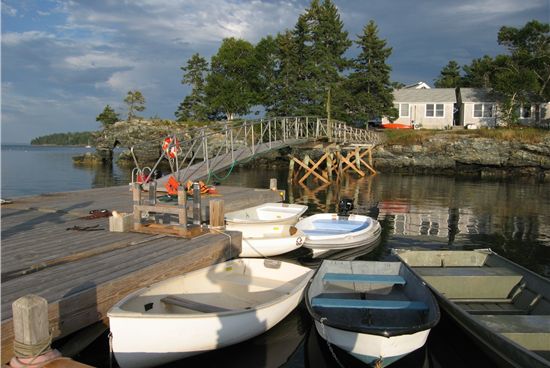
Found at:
<point>63,61</point>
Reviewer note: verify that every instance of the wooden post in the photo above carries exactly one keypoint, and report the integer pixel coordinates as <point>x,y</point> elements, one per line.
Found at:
<point>196,204</point>
<point>136,195</point>
<point>31,331</point>
<point>273,184</point>
<point>217,220</point>
<point>290,170</point>
<point>182,203</point>
<point>153,192</point>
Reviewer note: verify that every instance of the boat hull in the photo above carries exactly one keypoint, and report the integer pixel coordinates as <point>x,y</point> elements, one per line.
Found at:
<point>371,349</point>
<point>140,339</point>
<point>268,240</point>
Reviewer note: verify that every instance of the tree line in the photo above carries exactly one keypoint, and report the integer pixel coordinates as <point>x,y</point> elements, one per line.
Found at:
<point>65,139</point>
<point>301,71</point>
<point>305,71</point>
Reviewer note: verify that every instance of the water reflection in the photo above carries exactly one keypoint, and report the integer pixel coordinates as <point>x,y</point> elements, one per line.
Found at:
<point>512,218</point>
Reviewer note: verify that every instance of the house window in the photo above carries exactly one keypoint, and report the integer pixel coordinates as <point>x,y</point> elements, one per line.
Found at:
<point>435,110</point>
<point>404,110</point>
<point>525,112</point>
<point>483,110</point>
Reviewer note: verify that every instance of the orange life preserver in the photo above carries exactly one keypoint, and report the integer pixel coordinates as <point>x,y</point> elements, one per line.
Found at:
<point>171,146</point>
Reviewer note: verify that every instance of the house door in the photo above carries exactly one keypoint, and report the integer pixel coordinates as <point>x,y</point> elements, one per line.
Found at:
<point>456,115</point>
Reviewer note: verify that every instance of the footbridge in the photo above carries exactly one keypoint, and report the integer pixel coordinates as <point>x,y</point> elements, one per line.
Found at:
<point>216,149</point>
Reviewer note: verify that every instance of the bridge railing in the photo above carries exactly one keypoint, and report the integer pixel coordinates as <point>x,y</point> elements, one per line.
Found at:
<point>218,147</point>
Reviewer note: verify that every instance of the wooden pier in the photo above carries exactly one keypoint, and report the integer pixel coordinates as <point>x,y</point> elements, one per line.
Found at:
<point>54,248</point>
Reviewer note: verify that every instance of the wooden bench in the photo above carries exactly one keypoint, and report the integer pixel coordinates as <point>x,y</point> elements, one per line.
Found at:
<point>364,278</point>
<point>367,304</point>
<point>193,305</point>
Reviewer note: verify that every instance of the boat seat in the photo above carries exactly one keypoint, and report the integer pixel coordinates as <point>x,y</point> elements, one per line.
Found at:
<point>471,282</point>
<point>193,305</point>
<point>530,331</point>
<point>371,279</point>
<point>367,304</point>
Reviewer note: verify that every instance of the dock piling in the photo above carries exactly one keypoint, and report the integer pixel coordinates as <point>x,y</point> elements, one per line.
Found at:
<point>217,220</point>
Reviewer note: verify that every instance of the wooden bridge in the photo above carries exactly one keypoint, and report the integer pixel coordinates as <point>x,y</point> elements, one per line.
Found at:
<point>223,148</point>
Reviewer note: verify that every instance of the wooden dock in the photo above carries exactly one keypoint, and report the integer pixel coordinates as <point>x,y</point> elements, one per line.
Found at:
<point>50,248</point>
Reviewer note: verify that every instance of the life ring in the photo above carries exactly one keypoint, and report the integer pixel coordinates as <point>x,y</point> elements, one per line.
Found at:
<point>171,147</point>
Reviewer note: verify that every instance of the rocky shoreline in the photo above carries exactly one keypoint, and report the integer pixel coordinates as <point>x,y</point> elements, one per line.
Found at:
<point>440,154</point>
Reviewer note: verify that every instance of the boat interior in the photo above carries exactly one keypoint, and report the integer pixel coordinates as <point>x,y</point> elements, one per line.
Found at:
<point>497,293</point>
<point>378,295</point>
<point>232,286</point>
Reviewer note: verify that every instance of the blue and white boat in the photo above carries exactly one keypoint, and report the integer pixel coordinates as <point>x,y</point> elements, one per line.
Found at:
<point>336,231</point>
<point>376,311</point>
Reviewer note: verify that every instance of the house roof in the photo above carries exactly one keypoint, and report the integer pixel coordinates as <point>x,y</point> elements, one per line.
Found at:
<point>418,85</point>
<point>477,95</point>
<point>425,95</point>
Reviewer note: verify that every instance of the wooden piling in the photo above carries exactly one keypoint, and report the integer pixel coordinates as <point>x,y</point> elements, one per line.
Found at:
<point>32,340</point>
<point>217,220</point>
<point>273,184</point>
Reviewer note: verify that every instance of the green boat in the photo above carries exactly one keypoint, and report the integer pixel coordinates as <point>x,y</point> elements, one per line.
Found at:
<point>504,307</point>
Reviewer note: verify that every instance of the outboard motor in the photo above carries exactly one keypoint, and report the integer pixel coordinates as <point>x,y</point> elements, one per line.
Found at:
<point>344,207</point>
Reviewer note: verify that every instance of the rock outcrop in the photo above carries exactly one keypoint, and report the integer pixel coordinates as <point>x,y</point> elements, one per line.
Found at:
<point>453,154</point>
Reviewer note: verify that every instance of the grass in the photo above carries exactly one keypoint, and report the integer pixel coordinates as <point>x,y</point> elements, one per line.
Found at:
<point>521,135</point>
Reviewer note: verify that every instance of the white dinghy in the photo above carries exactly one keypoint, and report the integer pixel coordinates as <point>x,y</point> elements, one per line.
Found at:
<point>330,231</point>
<point>267,241</point>
<point>376,311</point>
<point>204,310</point>
<point>266,214</point>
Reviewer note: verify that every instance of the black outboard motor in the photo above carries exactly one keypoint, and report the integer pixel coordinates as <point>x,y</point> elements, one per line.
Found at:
<point>344,207</point>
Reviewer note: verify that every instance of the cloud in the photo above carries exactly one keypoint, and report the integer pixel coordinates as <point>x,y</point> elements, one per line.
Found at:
<point>69,59</point>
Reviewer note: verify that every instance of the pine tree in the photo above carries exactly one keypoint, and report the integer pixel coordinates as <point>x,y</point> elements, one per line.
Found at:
<point>369,84</point>
<point>230,84</point>
<point>107,117</point>
<point>325,60</point>
<point>479,73</point>
<point>449,77</point>
<point>135,102</point>
<point>194,106</point>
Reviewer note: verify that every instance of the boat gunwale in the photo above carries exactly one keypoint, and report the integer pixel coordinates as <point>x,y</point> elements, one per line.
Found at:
<point>372,227</point>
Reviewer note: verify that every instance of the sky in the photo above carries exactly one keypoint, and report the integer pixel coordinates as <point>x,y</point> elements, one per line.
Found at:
<point>64,60</point>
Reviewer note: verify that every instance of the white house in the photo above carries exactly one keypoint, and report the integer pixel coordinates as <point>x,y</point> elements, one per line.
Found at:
<point>428,108</point>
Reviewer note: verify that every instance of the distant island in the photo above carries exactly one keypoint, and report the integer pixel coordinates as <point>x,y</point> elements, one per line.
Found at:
<point>66,139</point>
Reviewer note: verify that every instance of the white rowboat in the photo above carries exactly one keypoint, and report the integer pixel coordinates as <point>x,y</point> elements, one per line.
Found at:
<point>267,241</point>
<point>204,310</point>
<point>329,231</point>
<point>267,214</point>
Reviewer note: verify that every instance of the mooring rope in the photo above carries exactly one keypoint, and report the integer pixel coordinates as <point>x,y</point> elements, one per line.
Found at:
<point>230,240</point>
<point>322,320</point>
<point>25,351</point>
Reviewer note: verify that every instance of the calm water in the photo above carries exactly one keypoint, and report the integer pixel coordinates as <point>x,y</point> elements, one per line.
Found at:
<point>512,218</point>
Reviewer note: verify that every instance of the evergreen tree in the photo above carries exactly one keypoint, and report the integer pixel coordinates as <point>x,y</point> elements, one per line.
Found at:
<point>135,102</point>
<point>230,84</point>
<point>194,106</point>
<point>326,61</point>
<point>266,58</point>
<point>479,73</point>
<point>107,117</point>
<point>369,84</point>
<point>449,77</point>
